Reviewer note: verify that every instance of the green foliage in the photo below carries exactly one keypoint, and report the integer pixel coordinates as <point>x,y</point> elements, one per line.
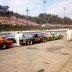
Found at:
<point>48,18</point>
<point>43,18</point>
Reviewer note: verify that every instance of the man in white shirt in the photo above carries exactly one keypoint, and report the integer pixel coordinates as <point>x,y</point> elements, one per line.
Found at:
<point>21,35</point>
<point>69,33</point>
<point>17,37</point>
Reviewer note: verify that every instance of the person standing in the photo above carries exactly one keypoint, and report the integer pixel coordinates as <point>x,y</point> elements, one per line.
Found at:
<point>17,37</point>
<point>69,33</point>
<point>21,35</point>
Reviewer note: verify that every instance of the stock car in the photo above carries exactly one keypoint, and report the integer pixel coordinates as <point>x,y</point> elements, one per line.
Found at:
<point>43,36</point>
<point>26,39</point>
<point>5,43</point>
<point>55,36</point>
<point>50,37</point>
<point>11,37</point>
<point>8,36</point>
<point>30,39</point>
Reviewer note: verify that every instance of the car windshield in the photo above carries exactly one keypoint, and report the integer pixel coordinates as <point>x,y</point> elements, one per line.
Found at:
<point>27,36</point>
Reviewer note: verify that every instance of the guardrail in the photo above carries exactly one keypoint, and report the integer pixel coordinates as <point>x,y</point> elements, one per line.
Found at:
<point>55,30</point>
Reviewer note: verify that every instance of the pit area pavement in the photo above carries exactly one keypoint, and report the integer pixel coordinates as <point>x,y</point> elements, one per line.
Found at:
<point>51,56</point>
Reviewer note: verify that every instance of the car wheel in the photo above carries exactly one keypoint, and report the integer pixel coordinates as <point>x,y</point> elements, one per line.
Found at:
<point>28,43</point>
<point>53,38</point>
<point>31,42</point>
<point>3,46</point>
<point>20,42</point>
<point>61,37</point>
<point>0,48</point>
<point>44,40</point>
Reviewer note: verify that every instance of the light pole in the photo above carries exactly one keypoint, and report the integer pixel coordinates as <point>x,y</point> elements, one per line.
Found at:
<point>27,10</point>
<point>44,5</point>
<point>44,2</point>
<point>64,11</point>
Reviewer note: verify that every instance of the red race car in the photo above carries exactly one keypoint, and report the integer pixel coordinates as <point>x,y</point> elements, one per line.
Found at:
<point>5,43</point>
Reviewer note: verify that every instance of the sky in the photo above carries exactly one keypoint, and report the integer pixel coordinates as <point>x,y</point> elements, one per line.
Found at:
<point>58,7</point>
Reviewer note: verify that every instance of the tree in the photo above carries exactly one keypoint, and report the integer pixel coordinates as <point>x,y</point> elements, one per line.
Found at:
<point>4,8</point>
<point>67,20</point>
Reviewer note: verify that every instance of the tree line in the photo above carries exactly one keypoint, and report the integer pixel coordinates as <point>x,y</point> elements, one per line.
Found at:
<point>43,18</point>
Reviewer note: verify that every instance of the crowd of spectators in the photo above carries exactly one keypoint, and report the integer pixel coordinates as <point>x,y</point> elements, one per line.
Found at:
<point>16,21</point>
<point>56,26</point>
<point>13,21</point>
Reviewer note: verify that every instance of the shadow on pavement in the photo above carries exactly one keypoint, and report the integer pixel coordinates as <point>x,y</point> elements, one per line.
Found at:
<point>41,70</point>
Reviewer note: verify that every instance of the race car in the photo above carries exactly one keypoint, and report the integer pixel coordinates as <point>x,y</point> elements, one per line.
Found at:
<point>30,39</point>
<point>43,37</point>
<point>55,36</point>
<point>11,37</point>
<point>5,43</point>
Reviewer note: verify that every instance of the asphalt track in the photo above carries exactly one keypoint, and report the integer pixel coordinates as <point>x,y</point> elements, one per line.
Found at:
<point>51,56</point>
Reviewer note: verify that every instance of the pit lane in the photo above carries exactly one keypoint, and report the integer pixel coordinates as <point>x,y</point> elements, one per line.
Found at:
<point>47,57</point>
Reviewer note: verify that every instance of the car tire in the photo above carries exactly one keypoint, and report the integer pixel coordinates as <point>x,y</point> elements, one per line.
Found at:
<point>29,42</point>
<point>53,38</point>
<point>0,47</point>
<point>44,40</point>
<point>20,43</point>
<point>3,46</point>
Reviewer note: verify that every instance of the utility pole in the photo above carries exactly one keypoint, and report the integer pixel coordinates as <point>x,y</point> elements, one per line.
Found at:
<point>44,2</point>
<point>44,5</point>
<point>27,10</point>
<point>64,11</point>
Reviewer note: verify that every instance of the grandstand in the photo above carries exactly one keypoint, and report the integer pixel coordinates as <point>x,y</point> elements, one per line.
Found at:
<point>12,21</point>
